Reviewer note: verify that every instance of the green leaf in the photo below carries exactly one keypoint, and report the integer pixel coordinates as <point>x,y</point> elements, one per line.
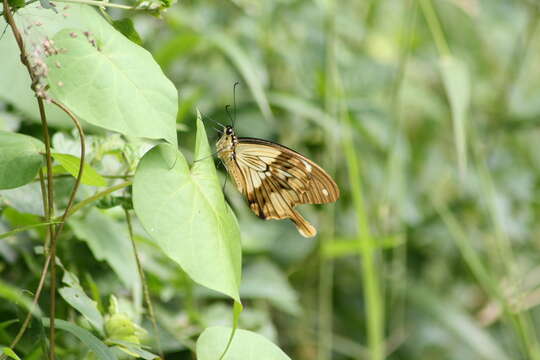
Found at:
<point>457,85</point>
<point>7,351</point>
<point>15,295</point>
<point>464,328</point>
<point>109,81</point>
<point>237,310</point>
<point>248,70</point>
<point>20,159</point>
<point>16,3</point>
<point>302,107</point>
<point>76,297</point>
<point>7,323</point>
<point>15,87</point>
<point>176,48</point>
<point>264,280</point>
<point>184,211</point>
<point>125,26</point>
<point>23,200</point>
<point>72,163</point>
<point>25,228</point>
<point>94,344</point>
<point>133,349</point>
<point>108,241</point>
<point>246,345</point>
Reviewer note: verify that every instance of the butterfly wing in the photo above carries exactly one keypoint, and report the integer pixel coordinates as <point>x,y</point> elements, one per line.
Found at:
<point>305,181</point>
<point>276,179</point>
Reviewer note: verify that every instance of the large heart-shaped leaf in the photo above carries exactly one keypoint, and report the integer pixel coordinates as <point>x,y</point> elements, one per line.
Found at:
<point>20,159</point>
<point>109,81</point>
<point>184,211</point>
<point>245,345</point>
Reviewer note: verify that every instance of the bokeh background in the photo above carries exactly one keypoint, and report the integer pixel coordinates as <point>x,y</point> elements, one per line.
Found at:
<point>426,112</point>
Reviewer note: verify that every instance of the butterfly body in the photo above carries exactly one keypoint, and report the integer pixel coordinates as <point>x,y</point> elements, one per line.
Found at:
<point>275,179</point>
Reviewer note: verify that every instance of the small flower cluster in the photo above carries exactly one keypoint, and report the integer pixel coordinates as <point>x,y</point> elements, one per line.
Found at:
<point>40,68</point>
<point>91,38</point>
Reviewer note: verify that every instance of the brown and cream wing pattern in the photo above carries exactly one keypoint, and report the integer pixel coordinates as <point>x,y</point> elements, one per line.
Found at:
<point>298,179</point>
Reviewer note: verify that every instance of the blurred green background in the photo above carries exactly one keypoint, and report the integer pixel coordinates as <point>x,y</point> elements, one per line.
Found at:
<point>426,113</point>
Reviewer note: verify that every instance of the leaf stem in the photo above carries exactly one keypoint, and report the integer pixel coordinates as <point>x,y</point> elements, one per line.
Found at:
<point>374,303</point>
<point>100,4</point>
<point>46,139</point>
<point>435,27</point>
<point>146,292</point>
<point>98,196</point>
<point>63,218</point>
<point>25,228</point>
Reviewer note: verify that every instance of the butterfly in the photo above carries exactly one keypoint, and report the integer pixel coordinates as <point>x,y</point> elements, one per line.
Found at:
<point>274,178</point>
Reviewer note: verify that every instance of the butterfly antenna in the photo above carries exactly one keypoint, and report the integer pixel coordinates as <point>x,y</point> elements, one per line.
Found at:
<point>234,100</point>
<point>206,157</point>
<point>229,113</point>
<point>214,121</point>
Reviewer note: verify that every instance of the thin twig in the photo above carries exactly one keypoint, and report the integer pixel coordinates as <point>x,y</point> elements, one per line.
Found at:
<point>45,206</point>
<point>81,164</point>
<point>144,284</point>
<point>101,4</point>
<point>46,139</point>
<point>63,219</point>
<point>98,196</point>
<point>60,176</point>
<point>26,321</point>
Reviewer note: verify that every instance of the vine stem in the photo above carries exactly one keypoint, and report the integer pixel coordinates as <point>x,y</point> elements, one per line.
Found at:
<point>46,139</point>
<point>98,196</point>
<point>63,219</point>
<point>48,201</point>
<point>100,4</point>
<point>144,284</point>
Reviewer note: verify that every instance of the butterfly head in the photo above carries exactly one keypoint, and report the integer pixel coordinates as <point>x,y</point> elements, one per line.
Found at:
<point>226,143</point>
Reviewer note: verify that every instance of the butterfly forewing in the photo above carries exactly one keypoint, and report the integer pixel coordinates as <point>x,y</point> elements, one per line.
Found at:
<point>308,183</point>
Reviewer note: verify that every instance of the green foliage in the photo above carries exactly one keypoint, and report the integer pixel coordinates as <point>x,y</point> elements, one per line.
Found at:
<point>457,85</point>
<point>425,112</point>
<point>75,296</point>
<point>93,343</point>
<point>10,353</point>
<point>245,345</point>
<point>92,54</point>
<point>126,27</point>
<point>15,296</point>
<point>20,159</point>
<point>16,3</point>
<point>108,240</point>
<point>71,164</point>
<point>168,195</point>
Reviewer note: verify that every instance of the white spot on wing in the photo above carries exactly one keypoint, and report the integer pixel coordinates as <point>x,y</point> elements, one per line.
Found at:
<point>325,192</point>
<point>307,165</point>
